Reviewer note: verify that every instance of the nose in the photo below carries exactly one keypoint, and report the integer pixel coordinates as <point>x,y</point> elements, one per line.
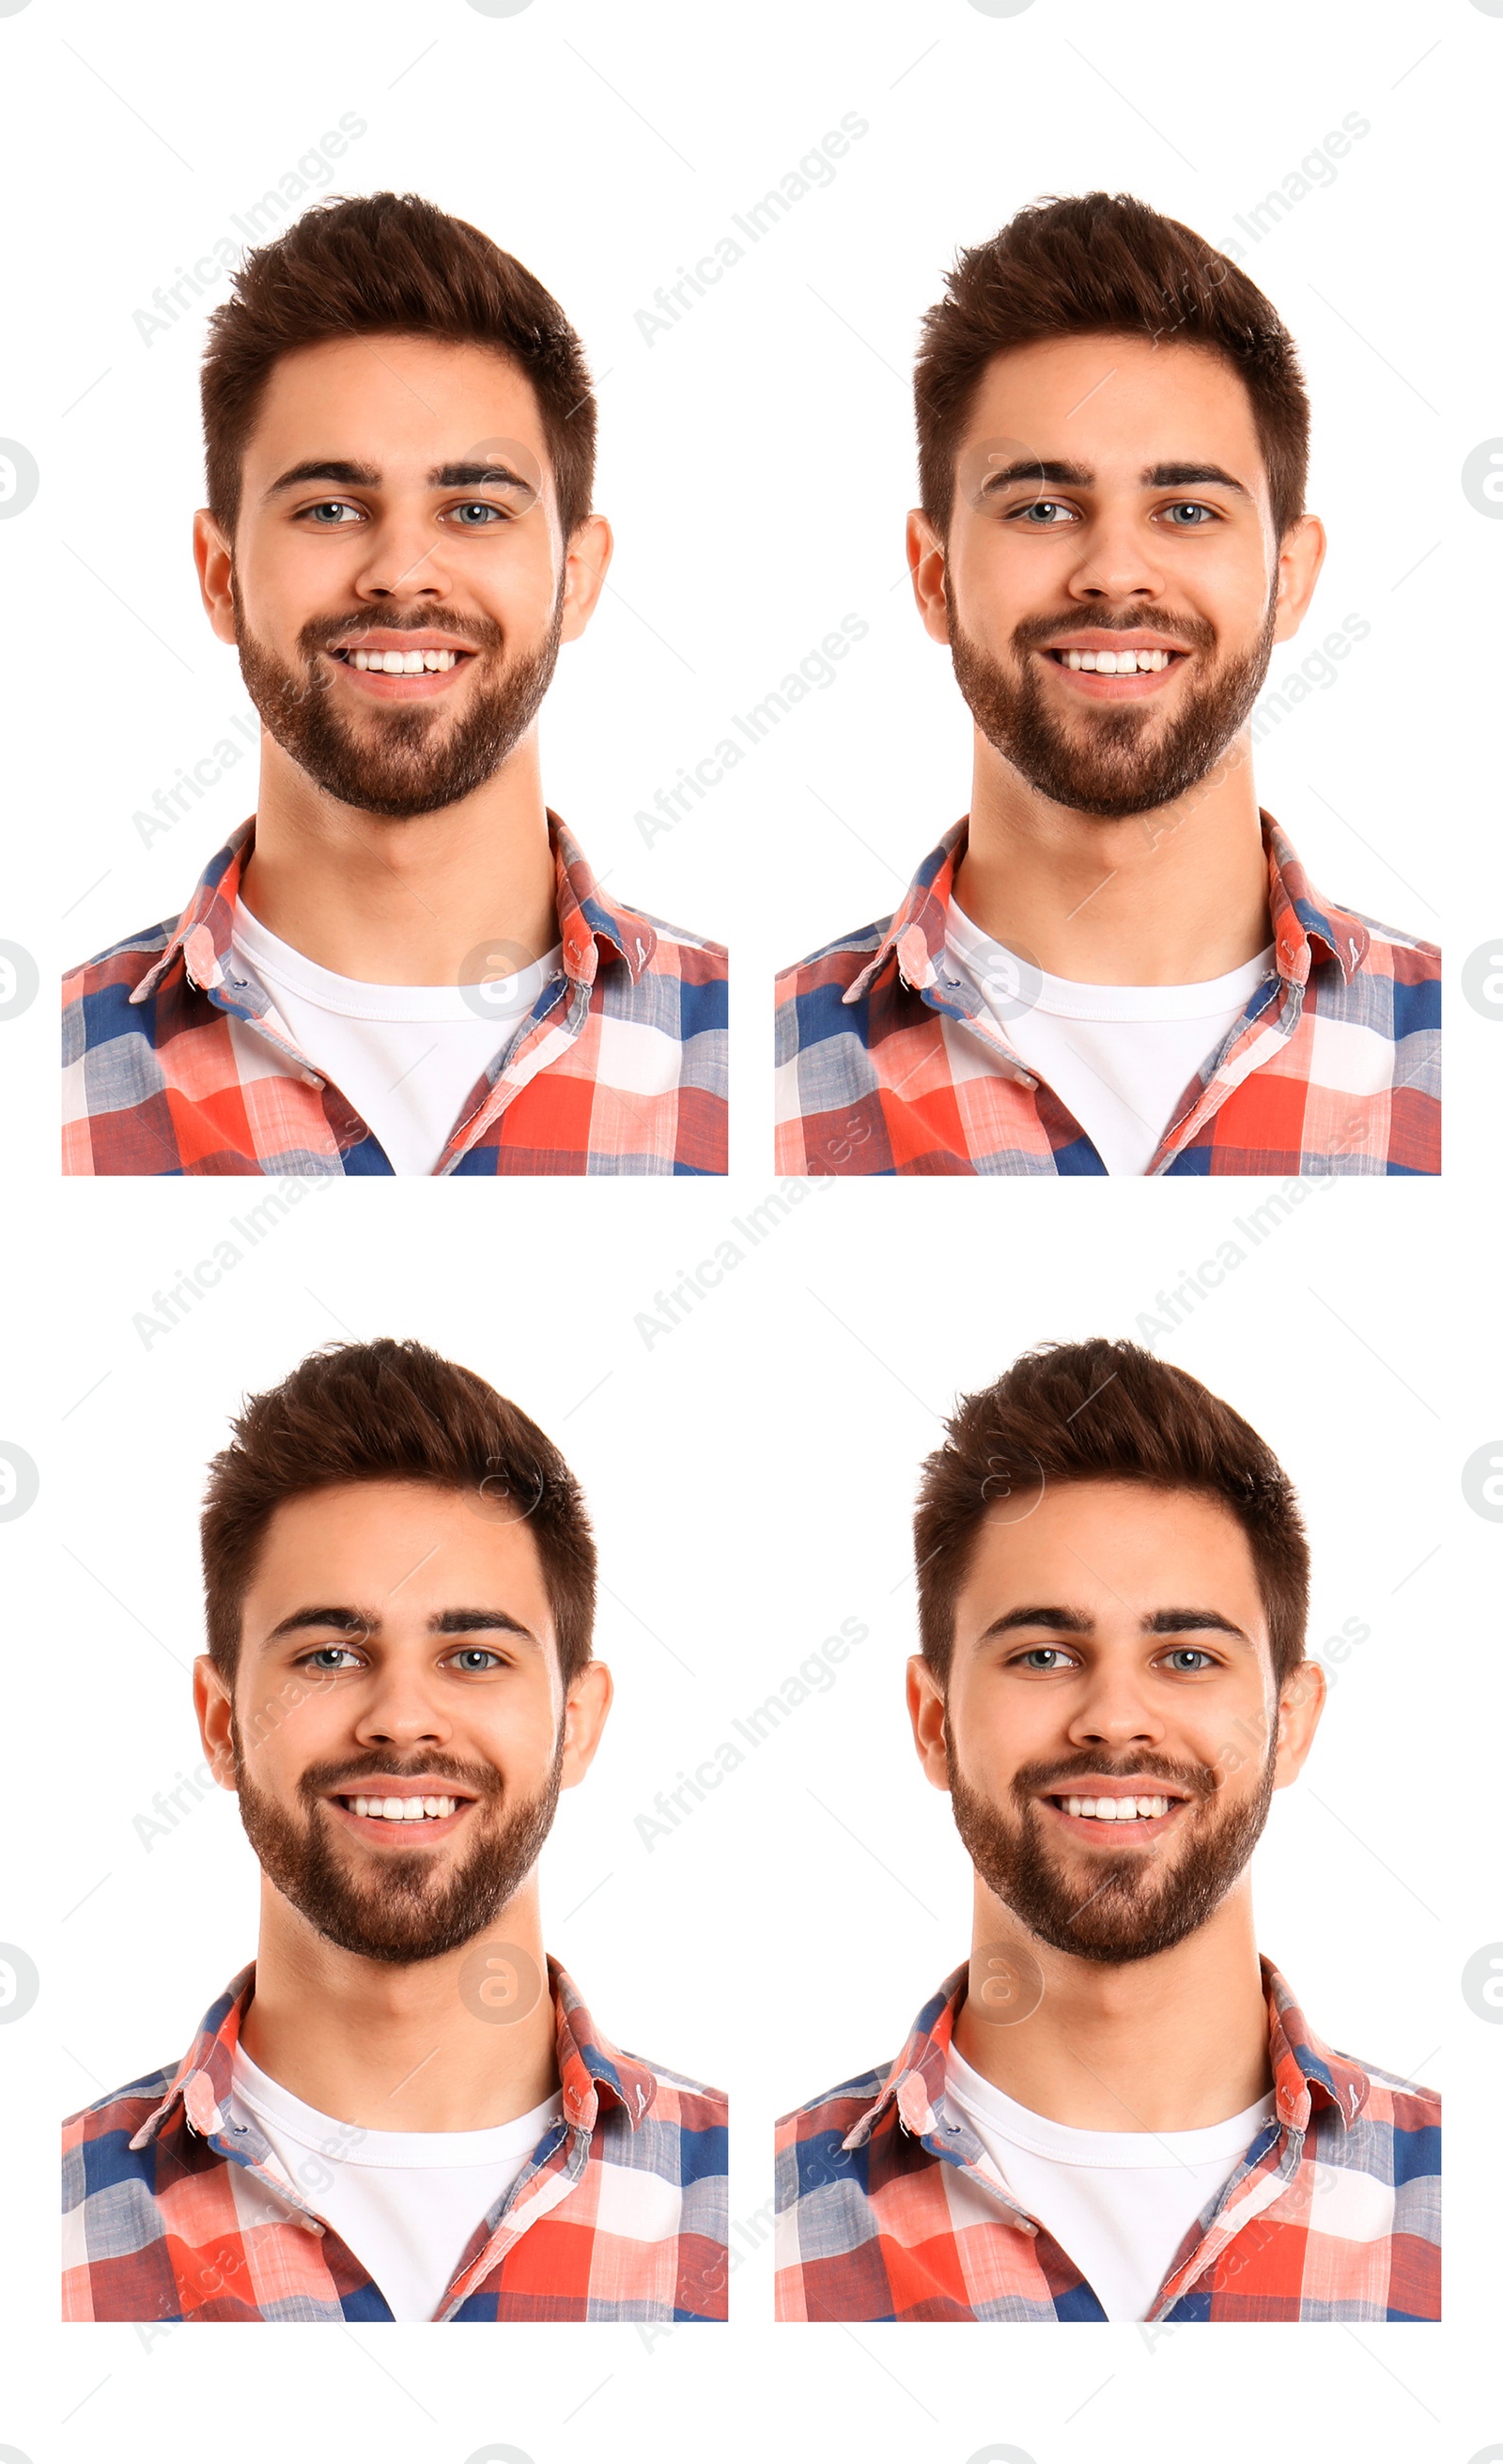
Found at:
<point>400,1712</point>
<point>404,558</point>
<point>1118,559</point>
<point>1116,1713</point>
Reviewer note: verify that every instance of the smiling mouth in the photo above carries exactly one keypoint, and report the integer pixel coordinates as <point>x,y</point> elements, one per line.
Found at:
<point>401,663</point>
<point>1142,1815</point>
<point>1117,663</point>
<point>409,1819</point>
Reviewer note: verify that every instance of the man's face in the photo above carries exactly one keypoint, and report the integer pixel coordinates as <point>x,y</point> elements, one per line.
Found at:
<point>1110,496</point>
<point>398,1654</point>
<point>1111,1653</point>
<point>396,501</point>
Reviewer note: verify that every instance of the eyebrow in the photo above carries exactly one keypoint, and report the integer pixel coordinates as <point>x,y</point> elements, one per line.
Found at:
<point>1062,1621</point>
<point>365,475</point>
<point>1159,474</point>
<point>365,1621</point>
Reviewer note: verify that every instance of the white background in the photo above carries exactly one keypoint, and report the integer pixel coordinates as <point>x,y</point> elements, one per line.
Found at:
<point>751,1474</point>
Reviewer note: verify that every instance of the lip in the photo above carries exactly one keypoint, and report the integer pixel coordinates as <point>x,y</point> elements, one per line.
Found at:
<point>1099,688</point>
<point>427,687</point>
<point>406,1834</point>
<point>1140,1832</point>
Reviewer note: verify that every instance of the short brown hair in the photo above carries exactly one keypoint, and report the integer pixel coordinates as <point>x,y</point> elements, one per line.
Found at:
<point>386,264</point>
<point>1099,1410</point>
<point>1100,264</point>
<point>390,1411</point>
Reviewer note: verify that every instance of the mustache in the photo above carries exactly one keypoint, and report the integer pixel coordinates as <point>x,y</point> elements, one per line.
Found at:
<point>321,1779</point>
<point>328,632</point>
<point>1034,632</point>
<point>1197,1779</point>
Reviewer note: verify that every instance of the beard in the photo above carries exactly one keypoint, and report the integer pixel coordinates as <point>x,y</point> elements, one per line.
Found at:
<point>399,1913</point>
<point>401,763</point>
<point>1109,762</point>
<point>1140,1902</point>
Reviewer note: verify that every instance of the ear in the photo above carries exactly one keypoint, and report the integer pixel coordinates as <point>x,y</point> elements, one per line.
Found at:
<point>213,558</point>
<point>1301,1701</point>
<point>587,560</point>
<point>926,566</point>
<point>585,1707</point>
<point>926,1711</point>
<point>1301,554</point>
<point>211,1700</point>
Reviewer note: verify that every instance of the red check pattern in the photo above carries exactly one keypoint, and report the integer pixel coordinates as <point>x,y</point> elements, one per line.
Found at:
<point>885,1065</point>
<point>619,2215</point>
<point>888,2208</point>
<point>174,1065</point>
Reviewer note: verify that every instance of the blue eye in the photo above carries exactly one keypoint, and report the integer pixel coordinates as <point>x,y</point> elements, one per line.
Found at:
<point>490,514</point>
<point>1199,516</point>
<point>475,1661</point>
<point>328,1656</point>
<point>317,514</point>
<point>1043,506</point>
<point>1201,1660</point>
<point>1046,1657</point>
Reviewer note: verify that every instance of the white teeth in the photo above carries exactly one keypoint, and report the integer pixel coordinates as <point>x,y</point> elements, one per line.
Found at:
<point>404,1809</point>
<point>1117,1809</point>
<point>402,663</point>
<point>1117,663</point>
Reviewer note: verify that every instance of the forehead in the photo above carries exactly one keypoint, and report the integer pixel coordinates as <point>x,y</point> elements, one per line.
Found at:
<point>1115,1549</point>
<point>402,1548</point>
<point>400,402</point>
<point>1119,403</point>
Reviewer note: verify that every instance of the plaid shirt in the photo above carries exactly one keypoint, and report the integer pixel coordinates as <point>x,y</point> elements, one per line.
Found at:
<point>886,1065</point>
<point>620,2212</point>
<point>890,2208</point>
<point>172,1063</point>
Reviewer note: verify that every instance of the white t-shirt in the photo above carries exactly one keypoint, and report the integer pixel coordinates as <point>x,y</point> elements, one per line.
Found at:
<point>1118,2202</point>
<point>405,1055</point>
<point>406,2202</point>
<point>1118,1056</point>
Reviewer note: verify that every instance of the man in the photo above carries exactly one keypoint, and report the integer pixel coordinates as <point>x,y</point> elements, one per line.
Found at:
<point>403,964</point>
<point>1116,962</point>
<point>403,2109</point>
<point>1116,2110</point>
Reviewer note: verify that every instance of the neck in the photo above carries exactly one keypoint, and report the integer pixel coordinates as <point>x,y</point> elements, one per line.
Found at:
<point>395,2048</point>
<point>1173,896</point>
<point>1176,2042</point>
<point>404,902</point>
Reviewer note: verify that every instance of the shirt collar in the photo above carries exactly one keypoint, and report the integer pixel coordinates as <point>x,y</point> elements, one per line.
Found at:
<point>590,2067</point>
<point>1298,917</point>
<point>1305,2070</point>
<point>202,935</point>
